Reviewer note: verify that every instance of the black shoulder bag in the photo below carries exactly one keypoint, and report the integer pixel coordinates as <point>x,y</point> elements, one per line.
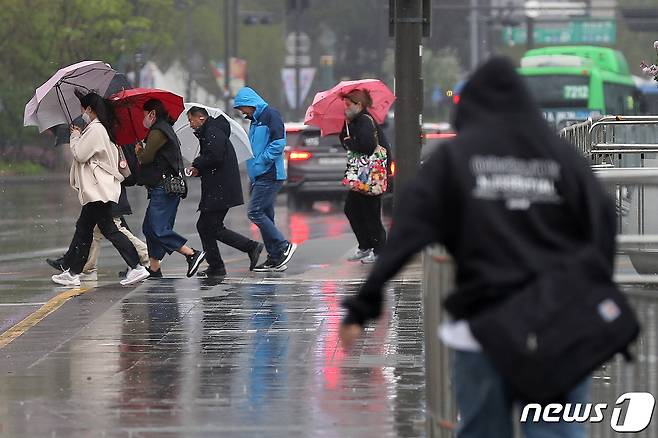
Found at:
<point>175,184</point>
<point>551,333</point>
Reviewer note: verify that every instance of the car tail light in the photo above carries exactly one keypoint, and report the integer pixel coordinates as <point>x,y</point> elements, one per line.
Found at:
<point>441,135</point>
<point>392,168</point>
<point>299,155</point>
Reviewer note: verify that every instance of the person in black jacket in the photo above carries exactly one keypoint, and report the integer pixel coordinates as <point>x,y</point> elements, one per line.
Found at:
<point>361,134</point>
<point>159,158</point>
<point>510,201</point>
<point>221,189</point>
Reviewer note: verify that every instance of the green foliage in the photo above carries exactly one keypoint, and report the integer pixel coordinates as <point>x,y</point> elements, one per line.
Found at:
<point>44,35</point>
<point>361,31</point>
<point>40,36</point>
<point>21,168</point>
<point>440,69</point>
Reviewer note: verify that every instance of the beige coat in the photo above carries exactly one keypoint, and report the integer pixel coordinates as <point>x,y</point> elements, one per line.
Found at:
<point>95,169</point>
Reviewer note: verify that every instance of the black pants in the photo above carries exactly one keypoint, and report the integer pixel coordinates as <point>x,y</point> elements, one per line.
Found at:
<point>92,214</point>
<point>211,229</point>
<point>365,215</point>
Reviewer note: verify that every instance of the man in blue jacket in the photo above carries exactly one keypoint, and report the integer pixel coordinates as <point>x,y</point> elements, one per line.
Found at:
<point>267,174</point>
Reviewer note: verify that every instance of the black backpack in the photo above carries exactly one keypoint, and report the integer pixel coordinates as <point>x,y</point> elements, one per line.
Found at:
<point>554,331</point>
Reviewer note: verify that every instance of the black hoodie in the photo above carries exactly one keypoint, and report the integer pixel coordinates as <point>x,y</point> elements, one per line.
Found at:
<point>507,197</point>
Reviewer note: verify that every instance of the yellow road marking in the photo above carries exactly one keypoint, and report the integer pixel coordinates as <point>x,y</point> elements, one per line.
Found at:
<point>34,318</point>
<point>53,304</point>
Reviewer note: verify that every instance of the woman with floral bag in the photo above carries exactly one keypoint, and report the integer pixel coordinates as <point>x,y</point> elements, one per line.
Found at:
<point>365,175</point>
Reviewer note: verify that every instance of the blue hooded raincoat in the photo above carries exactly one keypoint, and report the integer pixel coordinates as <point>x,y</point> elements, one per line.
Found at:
<point>267,135</point>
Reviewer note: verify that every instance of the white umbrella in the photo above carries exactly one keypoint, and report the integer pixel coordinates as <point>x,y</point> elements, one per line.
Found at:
<point>190,143</point>
<point>55,103</point>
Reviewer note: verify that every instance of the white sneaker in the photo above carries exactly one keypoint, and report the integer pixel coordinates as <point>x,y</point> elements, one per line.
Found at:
<point>370,259</point>
<point>89,276</point>
<point>66,279</point>
<point>359,254</point>
<point>135,276</point>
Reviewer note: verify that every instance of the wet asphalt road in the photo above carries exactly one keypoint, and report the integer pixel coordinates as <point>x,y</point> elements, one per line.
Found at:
<point>37,219</point>
<point>253,355</point>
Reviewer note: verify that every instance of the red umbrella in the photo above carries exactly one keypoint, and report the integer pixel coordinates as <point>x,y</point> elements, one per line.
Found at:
<point>327,109</point>
<point>129,104</point>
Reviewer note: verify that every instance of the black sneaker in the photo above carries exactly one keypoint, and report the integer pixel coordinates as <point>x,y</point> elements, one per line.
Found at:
<point>212,273</point>
<point>57,264</point>
<point>270,265</point>
<point>254,255</point>
<point>287,255</point>
<point>155,274</point>
<point>194,261</point>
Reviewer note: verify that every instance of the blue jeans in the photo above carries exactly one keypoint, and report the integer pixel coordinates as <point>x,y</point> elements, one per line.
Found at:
<point>261,212</point>
<point>486,404</point>
<point>158,226</point>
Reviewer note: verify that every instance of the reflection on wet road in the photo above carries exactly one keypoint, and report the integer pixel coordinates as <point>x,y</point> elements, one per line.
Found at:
<point>191,358</point>
<point>254,355</point>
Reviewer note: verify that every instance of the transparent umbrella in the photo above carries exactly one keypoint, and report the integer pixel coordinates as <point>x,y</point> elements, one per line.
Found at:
<point>190,143</point>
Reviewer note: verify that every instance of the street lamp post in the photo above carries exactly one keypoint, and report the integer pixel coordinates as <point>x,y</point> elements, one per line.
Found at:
<point>408,18</point>
<point>227,54</point>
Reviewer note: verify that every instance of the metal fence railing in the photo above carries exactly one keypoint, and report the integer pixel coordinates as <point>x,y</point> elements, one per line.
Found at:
<point>624,150</point>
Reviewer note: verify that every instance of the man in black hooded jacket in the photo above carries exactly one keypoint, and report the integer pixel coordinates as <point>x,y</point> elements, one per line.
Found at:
<point>221,189</point>
<point>509,200</point>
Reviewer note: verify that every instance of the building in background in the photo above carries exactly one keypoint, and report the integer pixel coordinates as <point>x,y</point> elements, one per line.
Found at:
<point>175,79</point>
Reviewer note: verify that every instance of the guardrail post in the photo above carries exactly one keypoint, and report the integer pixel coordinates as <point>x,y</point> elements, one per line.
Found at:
<point>438,281</point>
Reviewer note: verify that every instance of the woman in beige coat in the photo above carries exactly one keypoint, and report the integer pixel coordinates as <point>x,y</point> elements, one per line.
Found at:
<point>95,176</point>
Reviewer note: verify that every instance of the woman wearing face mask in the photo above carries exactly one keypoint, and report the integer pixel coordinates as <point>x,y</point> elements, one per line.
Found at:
<point>95,176</point>
<point>160,157</point>
<point>361,134</point>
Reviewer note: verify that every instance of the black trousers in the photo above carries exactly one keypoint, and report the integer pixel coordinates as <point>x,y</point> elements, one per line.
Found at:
<point>92,214</point>
<point>365,215</point>
<point>211,229</point>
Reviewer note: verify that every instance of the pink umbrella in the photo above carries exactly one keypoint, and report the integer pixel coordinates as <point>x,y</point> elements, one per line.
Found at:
<point>328,110</point>
<point>54,102</point>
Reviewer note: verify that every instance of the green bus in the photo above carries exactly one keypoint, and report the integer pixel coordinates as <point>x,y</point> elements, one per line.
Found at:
<point>576,82</point>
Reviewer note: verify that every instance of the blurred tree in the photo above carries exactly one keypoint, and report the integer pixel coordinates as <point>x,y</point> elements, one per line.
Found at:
<point>450,28</point>
<point>263,47</point>
<point>41,36</point>
<point>636,46</point>
<point>441,71</point>
<point>361,30</point>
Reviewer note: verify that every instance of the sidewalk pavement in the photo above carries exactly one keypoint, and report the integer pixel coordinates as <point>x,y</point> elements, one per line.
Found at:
<point>249,356</point>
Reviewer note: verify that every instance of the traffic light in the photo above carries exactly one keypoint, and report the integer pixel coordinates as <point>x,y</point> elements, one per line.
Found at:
<point>297,5</point>
<point>640,19</point>
<point>253,20</point>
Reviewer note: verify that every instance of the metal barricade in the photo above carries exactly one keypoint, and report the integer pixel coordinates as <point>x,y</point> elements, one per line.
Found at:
<point>623,141</point>
<point>438,281</point>
<point>626,142</point>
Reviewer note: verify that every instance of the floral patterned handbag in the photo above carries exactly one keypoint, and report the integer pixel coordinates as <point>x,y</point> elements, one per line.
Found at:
<point>367,174</point>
